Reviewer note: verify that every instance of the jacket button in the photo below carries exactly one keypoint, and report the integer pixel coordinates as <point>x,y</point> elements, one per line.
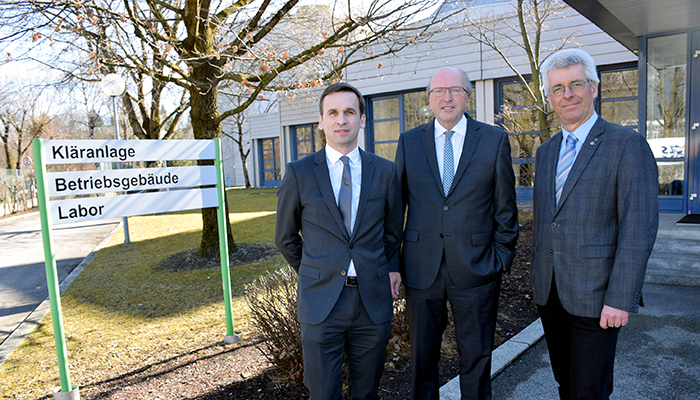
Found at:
<point>352,246</point>
<point>442,236</point>
<point>445,208</point>
<point>554,224</point>
<point>343,272</point>
<point>551,251</point>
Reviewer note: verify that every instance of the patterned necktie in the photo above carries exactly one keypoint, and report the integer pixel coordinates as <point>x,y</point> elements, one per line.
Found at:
<point>345,194</point>
<point>565,164</point>
<point>448,163</point>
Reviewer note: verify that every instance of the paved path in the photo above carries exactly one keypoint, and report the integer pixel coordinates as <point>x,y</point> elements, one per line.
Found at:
<point>657,354</point>
<point>22,270</point>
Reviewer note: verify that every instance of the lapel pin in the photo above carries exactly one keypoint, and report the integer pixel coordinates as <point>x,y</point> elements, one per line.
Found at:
<point>593,142</point>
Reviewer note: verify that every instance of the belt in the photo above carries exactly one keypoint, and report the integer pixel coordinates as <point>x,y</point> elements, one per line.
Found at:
<point>351,281</point>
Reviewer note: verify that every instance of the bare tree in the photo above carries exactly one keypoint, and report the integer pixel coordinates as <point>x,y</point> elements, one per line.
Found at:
<point>513,31</point>
<point>199,44</point>
<point>22,120</point>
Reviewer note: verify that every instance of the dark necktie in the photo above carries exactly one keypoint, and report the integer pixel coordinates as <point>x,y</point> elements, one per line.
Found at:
<point>565,164</point>
<point>345,194</point>
<point>448,163</point>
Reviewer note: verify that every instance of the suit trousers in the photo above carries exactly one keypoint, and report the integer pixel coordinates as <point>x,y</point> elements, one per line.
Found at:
<point>474,311</point>
<point>347,330</point>
<point>581,352</point>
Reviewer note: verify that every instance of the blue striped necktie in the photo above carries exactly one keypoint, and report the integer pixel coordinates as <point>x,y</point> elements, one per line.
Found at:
<point>565,164</point>
<point>448,163</point>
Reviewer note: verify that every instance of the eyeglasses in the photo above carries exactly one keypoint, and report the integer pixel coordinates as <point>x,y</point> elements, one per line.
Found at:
<point>574,86</point>
<point>441,91</point>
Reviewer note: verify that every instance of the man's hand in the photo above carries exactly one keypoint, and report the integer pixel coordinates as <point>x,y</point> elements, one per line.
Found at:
<point>613,317</point>
<point>395,279</point>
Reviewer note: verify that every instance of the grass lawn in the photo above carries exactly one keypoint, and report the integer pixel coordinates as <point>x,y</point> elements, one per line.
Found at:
<point>126,312</point>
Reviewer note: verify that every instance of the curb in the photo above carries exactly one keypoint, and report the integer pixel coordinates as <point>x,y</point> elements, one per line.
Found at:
<point>502,357</point>
<point>14,217</point>
<point>28,325</point>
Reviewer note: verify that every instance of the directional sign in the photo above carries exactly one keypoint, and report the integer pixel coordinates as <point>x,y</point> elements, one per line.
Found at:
<point>89,182</point>
<point>94,151</point>
<point>91,208</point>
<point>189,188</point>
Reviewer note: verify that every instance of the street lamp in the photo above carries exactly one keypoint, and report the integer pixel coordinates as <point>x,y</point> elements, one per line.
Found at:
<point>114,85</point>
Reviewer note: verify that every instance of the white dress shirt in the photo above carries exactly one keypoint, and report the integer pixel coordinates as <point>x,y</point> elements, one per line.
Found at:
<point>335,170</point>
<point>460,131</point>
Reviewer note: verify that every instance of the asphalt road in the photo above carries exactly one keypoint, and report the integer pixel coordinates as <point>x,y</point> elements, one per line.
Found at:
<point>22,268</point>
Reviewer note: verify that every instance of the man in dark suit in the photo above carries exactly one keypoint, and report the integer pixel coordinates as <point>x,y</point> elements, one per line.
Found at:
<point>595,222</point>
<point>339,222</point>
<point>461,230</point>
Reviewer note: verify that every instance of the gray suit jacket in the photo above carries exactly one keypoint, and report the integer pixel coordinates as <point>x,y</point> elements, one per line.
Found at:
<point>476,225</point>
<point>312,237</point>
<point>598,240</point>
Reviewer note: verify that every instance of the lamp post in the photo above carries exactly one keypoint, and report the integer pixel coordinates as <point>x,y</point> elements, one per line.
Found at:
<point>113,85</point>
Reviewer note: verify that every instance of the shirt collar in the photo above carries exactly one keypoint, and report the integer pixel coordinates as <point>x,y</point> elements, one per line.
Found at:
<point>460,128</point>
<point>582,131</point>
<point>333,155</point>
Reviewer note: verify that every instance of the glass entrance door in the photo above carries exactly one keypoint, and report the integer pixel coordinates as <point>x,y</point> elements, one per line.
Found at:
<point>666,76</point>
<point>693,147</point>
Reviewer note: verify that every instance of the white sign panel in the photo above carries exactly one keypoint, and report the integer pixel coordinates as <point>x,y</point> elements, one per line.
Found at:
<point>88,182</point>
<point>85,209</point>
<point>668,147</point>
<point>94,151</point>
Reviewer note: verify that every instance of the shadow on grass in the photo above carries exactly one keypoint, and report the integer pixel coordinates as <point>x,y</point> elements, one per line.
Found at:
<point>129,278</point>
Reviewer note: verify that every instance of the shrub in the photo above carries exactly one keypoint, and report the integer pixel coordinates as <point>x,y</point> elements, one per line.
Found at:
<point>273,304</point>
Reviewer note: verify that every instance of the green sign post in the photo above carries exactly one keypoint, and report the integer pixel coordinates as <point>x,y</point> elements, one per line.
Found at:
<point>187,195</point>
<point>51,273</point>
<point>222,217</point>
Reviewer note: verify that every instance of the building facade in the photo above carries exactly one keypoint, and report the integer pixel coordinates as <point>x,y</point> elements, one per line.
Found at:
<point>654,82</point>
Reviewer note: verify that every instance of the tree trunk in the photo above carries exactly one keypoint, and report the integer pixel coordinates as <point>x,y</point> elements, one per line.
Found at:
<point>244,158</point>
<point>6,145</point>
<point>205,125</point>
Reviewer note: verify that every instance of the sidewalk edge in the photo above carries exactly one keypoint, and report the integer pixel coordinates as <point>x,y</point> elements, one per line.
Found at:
<point>502,357</point>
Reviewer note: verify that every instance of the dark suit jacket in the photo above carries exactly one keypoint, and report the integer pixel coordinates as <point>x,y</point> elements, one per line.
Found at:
<point>476,225</point>
<point>598,240</point>
<point>311,235</point>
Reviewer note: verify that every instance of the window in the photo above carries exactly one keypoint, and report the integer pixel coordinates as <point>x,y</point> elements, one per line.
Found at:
<point>618,96</point>
<point>270,159</point>
<point>385,125</point>
<point>307,139</point>
<point>666,109</point>
<point>388,116</point>
<point>517,113</point>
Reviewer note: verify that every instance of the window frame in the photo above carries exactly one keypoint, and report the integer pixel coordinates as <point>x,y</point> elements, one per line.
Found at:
<point>313,126</point>
<point>277,170</point>
<point>369,125</point>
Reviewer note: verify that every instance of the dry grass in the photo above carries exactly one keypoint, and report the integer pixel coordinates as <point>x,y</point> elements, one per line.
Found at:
<point>125,312</point>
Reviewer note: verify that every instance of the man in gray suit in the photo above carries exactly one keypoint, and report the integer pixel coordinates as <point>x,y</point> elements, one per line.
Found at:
<point>339,222</point>
<point>595,222</point>
<point>461,230</point>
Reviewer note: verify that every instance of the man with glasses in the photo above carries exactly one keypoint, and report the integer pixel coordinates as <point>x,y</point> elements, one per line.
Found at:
<point>461,230</point>
<point>595,222</point>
